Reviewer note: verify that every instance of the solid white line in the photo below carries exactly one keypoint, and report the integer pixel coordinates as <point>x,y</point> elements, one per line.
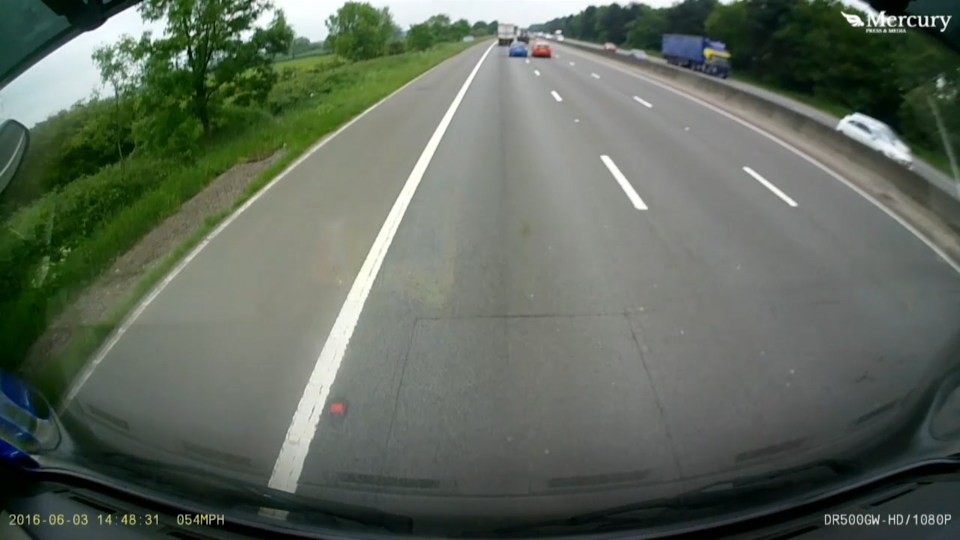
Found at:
<point>624,183</point>
<point>135,314</point>
<point>769,185</point>
<point>556,96</point>
<point>594,75</point>
<point>643,102</point>
<point>803,155</point>
<point>303,426</point>
<point>536,72</point>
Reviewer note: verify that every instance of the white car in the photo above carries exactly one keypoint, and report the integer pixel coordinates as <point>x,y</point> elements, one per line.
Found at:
<point>876,135</point>
<point>638,54</point>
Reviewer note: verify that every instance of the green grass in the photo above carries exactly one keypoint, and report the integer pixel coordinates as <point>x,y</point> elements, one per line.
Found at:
<point>937,159</point>
<point>826,106</point>
<point>360,85</point>
<point>302,62</point>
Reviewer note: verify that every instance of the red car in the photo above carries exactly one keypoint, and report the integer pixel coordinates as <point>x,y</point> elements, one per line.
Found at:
<point>609,47</point>
<point>542,50</point>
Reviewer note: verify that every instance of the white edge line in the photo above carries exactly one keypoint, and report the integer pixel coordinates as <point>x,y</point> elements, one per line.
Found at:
<point>643,102</point>
<point>813,161</point>
<point>624,183</point>
<point>132,316</point>
<point>769,185</point>
<point>303,425</point>
<point>556,96</point>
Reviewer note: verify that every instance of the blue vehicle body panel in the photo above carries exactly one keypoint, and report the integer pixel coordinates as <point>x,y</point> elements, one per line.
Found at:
<point>689,48</point>
<point>518,50</point>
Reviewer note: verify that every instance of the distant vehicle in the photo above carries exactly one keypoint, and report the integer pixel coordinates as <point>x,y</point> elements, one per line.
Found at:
<point>518,49</point>
<point>524,35</point>
<point>639,54</point>
<point>542,50</point>
<point>559,37</point>
<point>697,53</point>
<point>506,33</point>
<point>877,135</point>
<point>609,47</point>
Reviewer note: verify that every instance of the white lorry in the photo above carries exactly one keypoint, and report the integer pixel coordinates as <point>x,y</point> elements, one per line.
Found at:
<point>506,33</point>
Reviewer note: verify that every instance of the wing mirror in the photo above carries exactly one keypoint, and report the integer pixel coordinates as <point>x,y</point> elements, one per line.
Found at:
<point>14,141</point>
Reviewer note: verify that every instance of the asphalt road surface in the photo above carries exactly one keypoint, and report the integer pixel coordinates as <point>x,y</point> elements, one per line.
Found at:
<point>585,282</point>
<point>928,172</point>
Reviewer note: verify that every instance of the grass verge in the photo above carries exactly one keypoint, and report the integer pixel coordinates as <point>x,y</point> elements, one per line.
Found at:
<point>355,88</point>
<point>826,106</point>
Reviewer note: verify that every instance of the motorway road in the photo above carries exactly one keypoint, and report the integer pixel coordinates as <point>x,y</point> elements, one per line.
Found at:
<point>596,285</point>
<point>930,173</point>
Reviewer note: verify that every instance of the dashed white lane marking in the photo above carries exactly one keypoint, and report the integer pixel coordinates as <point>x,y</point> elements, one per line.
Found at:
<point>769,185</point>
<point>556,96</point>
<point>572,64</point>
<point>624,183</point>
<point>803,155</point>
<point>643,102</point>
<point>536,72</point>
<point>303,426</point>
<point>594,75</point>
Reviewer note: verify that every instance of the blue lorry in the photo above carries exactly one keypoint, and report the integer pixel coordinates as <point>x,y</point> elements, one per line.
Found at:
<point>697,53</point>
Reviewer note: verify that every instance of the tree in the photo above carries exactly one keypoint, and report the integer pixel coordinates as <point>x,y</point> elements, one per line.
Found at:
<point>612,23</point>
<point>646,30</point>
<point>299,45</point>
<point>420,37</point>
<point>459,30</point>
<point>359,31</point>
<point>118,67</point>
<point>206,46</point>
<point>689,16</point>
<point>440,25</point>
<point>588,24</point>
<point>479,28</point>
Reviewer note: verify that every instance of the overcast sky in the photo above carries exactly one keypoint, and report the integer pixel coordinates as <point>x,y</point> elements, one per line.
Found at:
<point>68,74</point>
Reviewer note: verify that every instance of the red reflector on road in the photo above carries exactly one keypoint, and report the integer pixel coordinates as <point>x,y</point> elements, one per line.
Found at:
<point>337,408</point>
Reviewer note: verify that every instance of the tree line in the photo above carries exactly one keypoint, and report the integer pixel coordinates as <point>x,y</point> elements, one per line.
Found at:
<point>806,47</point>
<point>359,31</point>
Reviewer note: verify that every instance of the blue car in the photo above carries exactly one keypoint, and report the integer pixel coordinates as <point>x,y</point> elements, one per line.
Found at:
<point>518,49</point>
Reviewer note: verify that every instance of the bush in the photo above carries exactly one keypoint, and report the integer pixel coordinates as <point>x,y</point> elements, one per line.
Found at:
<point>396,47</point>
<point>420,37</point>
<point>69,145</point>
<point>305,85</point>
<point>52,226</point>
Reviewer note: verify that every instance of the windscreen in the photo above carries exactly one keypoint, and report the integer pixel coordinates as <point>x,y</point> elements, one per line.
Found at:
<point>328,265</point>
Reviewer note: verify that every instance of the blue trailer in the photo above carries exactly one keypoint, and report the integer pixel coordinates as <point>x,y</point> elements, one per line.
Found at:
<point>697,53</point>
